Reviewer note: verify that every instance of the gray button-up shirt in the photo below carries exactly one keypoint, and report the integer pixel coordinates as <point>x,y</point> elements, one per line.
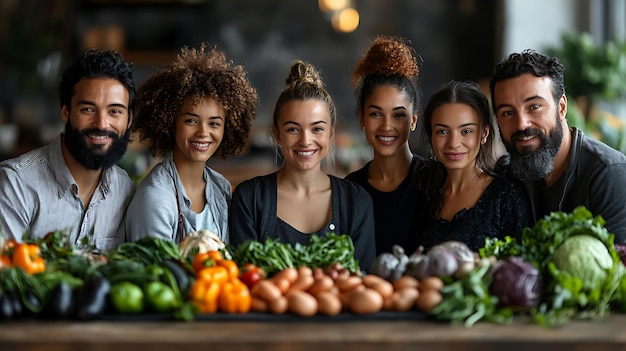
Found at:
<point>38,195</point>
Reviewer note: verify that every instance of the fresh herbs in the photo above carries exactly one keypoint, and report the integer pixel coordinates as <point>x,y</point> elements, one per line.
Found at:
<point>147,250</point>
<point>273,255</point>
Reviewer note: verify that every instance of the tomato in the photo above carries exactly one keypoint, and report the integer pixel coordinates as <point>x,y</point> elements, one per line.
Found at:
<point>251,274</point>
<point>127,297</point>
<point>161,297</point>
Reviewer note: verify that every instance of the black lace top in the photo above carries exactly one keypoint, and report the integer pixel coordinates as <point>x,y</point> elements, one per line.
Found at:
<point>502,210</point>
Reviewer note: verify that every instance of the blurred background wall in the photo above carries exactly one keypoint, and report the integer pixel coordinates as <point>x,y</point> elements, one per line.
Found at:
<point>457,39</point>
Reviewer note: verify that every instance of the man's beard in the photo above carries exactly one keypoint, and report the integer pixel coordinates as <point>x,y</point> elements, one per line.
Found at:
<point>95,157</point>
<point>534,165</point>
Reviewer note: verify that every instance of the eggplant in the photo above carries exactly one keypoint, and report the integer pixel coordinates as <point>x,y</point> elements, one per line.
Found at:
<point>6,306</point>
<point>179,273</point>
<point>16,301</point>
<point>31,304</point>
<point>61,302</point>
<point>93,298</point>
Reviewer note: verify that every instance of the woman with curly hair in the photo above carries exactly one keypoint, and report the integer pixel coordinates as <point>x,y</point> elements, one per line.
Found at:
<point>386,82</point>
<point>199,106</point>
<point>300,199</point>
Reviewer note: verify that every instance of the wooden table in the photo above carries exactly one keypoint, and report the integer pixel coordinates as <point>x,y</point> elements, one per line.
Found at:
<point>601,335</point>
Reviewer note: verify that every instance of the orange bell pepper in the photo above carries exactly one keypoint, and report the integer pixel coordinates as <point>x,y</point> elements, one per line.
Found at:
<point>6,261</point>
<point>231,267</point>
<point>205,294</point>
<point>235,297</point>
<point>216,274</point>
<point>215,255</point>
<point>206,259</point>
<point>202,260</point>
<point>26,256</point>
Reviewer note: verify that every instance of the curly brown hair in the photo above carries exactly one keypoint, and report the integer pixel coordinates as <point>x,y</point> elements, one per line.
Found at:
<point>195,73</point>
<point>390,60</point>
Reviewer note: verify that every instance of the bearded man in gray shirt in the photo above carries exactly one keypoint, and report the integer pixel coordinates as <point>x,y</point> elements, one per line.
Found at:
<point>73,184</point>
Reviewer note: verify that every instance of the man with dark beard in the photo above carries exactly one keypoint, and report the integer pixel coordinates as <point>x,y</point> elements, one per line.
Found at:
<point>560,167</point>
<point>73,184</point>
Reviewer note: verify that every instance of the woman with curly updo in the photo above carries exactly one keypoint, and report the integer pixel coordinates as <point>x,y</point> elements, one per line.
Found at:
<point>199,106</point>
<point>386,80</point>
<point>300,199</point>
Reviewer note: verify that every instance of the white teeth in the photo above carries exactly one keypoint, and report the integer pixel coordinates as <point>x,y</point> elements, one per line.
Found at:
<point>99,137</point>
<point>199,144</point>
<point>526,138</point>
<point>305,153</point>
<point>386,138</point>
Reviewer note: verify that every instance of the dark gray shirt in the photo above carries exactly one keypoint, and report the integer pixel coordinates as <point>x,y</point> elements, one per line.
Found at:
<point>595,178</point>
<point>38,194</point>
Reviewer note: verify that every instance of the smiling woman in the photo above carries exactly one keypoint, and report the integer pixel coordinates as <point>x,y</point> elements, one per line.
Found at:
<point>300,199</point>
<point>197,107</point>
<point>467,200</point>
<point>387,85</point>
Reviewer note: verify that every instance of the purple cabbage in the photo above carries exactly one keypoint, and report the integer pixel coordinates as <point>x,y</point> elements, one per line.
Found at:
<point>516,283</point>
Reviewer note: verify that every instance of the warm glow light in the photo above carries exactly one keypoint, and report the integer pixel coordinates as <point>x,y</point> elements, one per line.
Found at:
<point>332,5</point>
<point>346,20</point>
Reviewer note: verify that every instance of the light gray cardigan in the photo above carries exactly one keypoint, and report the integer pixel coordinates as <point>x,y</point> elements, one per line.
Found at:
<point>154,210</point>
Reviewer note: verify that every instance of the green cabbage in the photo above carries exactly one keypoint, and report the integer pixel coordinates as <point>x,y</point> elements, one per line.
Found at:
<point>576,255</point>
<point>584,257</point>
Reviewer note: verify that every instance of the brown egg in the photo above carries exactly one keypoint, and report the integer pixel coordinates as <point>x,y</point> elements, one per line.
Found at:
<point>366,301</point>
<point>348,283</point>
<point>328,303</point>
<point>282,283</point>
<point>431,283</point>
<point>322,283</point>
<point>404,299</point>
<point>384,287</point>
<point>266,290</point>
<point>304,282</point>
<point>406,281</point>
<point>279,305</point>
<point>291,274</point>
<point>259,305</point>
<point>302,303</point>
<point>428,299</point>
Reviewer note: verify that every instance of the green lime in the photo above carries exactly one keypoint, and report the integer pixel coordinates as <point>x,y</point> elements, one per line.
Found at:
<point>161,297</point>
<point>127,297</point>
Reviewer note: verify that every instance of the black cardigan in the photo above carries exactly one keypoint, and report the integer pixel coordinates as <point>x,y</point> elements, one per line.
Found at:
<point>253,215</point>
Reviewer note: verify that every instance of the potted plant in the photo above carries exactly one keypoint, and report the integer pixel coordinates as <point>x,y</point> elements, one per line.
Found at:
<point>595,75</point>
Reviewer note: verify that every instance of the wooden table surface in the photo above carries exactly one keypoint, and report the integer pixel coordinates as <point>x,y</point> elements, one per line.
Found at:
<point>603,334</point>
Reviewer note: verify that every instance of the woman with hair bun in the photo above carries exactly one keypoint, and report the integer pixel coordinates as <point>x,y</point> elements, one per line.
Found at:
<point>386,80</point>
<point>300,199</point>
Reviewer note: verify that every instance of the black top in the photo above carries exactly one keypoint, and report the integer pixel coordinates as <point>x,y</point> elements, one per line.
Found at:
<point>398,213</point>
<point>502,210</point>
<point>253,216</point>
